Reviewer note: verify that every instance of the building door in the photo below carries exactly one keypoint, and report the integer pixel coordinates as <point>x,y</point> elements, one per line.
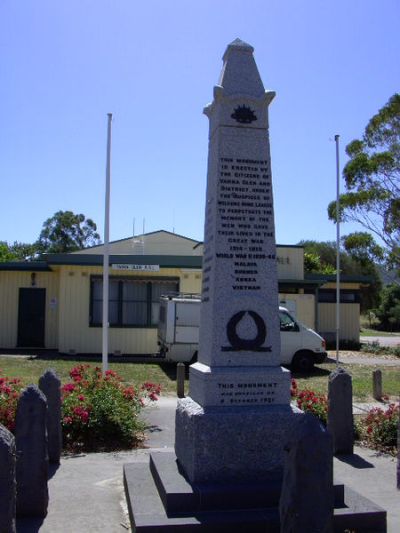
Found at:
<point>31,318</point>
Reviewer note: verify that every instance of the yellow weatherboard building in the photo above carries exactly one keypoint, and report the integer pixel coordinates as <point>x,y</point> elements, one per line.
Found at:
<point>56,303</point>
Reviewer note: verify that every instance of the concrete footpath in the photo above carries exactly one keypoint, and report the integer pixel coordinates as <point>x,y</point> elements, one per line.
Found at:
<point>86,492</point>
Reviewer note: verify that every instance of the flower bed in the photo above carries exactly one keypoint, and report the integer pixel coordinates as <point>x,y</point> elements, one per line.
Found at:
<point>309,401</point>
<point>100,412</point>
<point>378,429</point>
<point>9,394</point>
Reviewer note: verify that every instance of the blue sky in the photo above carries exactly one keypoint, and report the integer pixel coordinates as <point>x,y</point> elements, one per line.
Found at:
<point>153,64</point>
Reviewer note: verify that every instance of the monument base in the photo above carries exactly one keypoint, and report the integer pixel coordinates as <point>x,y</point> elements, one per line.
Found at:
<point>225,444</point>
<point>160,498</point>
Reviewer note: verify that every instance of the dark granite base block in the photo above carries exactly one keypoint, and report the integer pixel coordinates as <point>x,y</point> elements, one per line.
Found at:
<point>161,499</point>
<point>234,444</point>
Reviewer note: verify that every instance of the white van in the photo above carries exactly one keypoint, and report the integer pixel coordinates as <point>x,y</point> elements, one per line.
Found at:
<point>178,334</point>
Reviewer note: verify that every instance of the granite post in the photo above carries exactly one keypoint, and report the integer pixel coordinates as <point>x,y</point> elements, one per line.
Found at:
<point>50,385</point>
<point>237,417</point>
<point>377,384</point>
<point>340,411</point>
<point>31,445</point>
<point>307,497</point>
<point>7,481</point>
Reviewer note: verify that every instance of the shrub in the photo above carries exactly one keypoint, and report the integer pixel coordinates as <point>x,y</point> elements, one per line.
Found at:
<point>377,349</point>
<point>379,428</point>
<point>9,394</point>
<point>311,402</point>
<point>100,412</point>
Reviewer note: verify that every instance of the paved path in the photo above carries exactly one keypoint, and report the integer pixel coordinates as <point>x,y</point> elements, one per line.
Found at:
<point>87,495</point>
<point>392,341</point>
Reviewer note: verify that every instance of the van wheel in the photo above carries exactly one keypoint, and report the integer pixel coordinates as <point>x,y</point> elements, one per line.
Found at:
<point>194,358</point>
<point>303,362</point>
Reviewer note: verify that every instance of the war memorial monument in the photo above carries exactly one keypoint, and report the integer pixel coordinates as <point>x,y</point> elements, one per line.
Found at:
<point>232,429</point>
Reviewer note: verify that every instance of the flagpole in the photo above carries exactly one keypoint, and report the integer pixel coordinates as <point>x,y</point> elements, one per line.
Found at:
<point>337,251</point>
<point>106,248</point>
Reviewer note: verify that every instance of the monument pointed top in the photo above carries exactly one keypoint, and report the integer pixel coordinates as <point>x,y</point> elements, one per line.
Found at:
<point>239,44</point>
<point>240,73</point>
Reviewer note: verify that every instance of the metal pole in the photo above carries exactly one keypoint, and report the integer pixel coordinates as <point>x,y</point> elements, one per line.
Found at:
<point>337,251</point>
<point>106,266</point>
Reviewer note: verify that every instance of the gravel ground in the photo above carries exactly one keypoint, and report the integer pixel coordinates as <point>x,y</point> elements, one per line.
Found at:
<point>361,358</point>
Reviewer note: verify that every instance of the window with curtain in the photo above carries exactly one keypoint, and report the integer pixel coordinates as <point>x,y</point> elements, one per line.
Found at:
<point>132,302</point>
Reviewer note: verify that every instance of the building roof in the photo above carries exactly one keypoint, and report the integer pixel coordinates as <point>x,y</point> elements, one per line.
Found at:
<point>31,266</point>
<point>165,261</point>
<point>159,242</point>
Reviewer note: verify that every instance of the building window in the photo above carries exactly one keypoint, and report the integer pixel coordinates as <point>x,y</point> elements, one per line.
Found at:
<point>346,296</point>
<point>131,302</point>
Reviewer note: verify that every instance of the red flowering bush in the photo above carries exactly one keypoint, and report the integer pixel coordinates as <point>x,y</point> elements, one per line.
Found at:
<point>308,400</point>
<point>9,393</point>
<point>101,412</point>
<point>379,428</point>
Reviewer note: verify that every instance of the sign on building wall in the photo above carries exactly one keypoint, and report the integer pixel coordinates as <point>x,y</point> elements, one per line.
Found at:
<point>141,268</point>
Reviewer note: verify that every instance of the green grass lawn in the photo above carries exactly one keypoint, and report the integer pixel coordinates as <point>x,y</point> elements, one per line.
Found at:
<point>362,380</point>
<point>29,371</point>
<point>366,332</point>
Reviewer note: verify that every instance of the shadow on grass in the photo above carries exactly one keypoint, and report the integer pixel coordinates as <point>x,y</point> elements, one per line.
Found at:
<point>316,372</point>
<point>52,355</point>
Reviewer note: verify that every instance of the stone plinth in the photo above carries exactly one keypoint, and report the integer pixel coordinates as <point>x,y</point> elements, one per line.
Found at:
<point>248,386</point>
<point>220,444</point>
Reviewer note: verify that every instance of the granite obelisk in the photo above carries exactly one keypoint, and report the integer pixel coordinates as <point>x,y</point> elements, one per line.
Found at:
<point>231,432</point>
<point>237,418</point>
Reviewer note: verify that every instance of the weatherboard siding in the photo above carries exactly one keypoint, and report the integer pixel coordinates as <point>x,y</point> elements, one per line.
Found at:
<point>349,321</point>
<point>77,336</point>
<point>10,283</point>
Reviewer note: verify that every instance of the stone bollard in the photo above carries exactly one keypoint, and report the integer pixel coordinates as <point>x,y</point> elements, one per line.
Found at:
<point>50,385</point>
<point>340,411</point>
<point>398,455</point>
<point>377,384</point>
<point>32,459</point>
<point>307,496</point>
<point>180,380</point>
<point>7,481</point>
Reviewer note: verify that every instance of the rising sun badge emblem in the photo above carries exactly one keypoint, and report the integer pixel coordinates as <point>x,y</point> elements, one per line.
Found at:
<point>244,115</point>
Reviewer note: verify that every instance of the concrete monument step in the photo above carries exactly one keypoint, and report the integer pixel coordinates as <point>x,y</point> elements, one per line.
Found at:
<point>160,498</point>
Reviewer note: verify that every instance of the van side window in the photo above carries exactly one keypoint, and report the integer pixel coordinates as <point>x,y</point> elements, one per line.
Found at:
<point>287,322</point>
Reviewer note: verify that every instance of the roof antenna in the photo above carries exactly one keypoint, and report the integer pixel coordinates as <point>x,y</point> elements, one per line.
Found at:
<point>144,223</point>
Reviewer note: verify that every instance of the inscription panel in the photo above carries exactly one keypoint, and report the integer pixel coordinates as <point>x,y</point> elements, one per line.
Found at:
<point>244,220</point>
<point>210,387</point>
<point>256,393</point>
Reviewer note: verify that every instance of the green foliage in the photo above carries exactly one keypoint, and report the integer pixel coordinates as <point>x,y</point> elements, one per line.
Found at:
<point>23,251</point>
<point>313,263</point>
<point>388,311</point>
<point>5,253</point>
<point>372,177</point>
<point>379,428</point>
<point>19,251</point>
<point>66,232</point>
<point>100,412</point>
<point>376,349</point>
<point>320,258</point>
